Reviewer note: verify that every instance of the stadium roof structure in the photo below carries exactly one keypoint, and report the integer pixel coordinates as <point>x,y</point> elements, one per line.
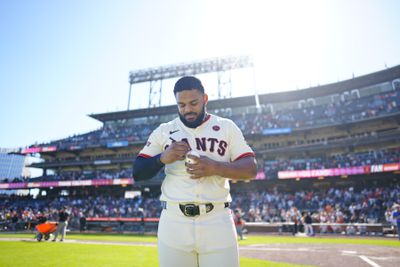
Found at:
<point>354,83</point>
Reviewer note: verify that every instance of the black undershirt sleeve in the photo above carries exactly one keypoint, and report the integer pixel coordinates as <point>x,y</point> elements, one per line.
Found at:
<point>146,168</point>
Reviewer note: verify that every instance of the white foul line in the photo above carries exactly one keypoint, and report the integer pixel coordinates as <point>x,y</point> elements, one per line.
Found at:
<point>370,262</point>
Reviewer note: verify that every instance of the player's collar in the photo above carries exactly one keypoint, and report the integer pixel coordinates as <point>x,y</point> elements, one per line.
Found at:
<point>207,118</point>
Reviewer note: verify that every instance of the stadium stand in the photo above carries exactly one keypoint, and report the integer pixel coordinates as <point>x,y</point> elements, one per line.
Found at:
<point>335,205</point>
<point>333,150</point>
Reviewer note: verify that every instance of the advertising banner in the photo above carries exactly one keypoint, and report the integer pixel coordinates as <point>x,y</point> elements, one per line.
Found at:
<point>47,184</point>
<point>339,171</point>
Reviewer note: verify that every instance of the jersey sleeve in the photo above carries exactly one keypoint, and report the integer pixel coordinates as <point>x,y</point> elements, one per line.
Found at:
<point>238,145</point>
<point>154,144</point>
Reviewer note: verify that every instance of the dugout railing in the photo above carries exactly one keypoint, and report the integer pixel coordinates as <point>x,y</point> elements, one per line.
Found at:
<point>150,225</point>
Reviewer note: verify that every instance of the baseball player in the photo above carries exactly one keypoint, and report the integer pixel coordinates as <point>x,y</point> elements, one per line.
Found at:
<point>200,153</point>
<point>62,224</point>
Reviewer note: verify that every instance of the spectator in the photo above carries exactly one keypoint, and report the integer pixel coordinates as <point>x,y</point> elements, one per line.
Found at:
<point>295,217</point>
<point>396,217</point>
<point>308,228</point>
<point>14,221</point>
<point>239,224</point>
<point>82,222</point>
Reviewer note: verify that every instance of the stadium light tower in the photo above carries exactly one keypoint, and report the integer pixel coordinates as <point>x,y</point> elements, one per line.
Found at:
<point>155,75</point>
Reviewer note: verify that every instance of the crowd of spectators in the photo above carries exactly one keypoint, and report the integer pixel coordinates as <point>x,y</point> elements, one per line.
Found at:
<point>26,211</point>
<point>335,205</point>
<point>106,134</point>
<point>343,111</point>
<point>76,176</point>
<point>269,167</point>
<point>372,157</point>
<point>349,109</point>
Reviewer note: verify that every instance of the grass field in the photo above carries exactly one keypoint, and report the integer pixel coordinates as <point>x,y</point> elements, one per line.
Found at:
<point>32,253</point>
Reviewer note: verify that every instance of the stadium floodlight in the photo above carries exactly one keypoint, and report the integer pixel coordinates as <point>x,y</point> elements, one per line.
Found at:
<point>157,74</point>
<point>198,67</point>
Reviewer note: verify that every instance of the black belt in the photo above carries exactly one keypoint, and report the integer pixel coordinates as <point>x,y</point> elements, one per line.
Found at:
<point>191,210</point>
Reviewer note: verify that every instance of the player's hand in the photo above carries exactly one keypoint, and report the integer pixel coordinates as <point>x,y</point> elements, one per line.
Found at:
<point>176,151</point>
<point>201,167</point>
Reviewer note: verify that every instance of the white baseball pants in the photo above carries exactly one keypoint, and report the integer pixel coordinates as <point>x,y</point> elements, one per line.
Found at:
<point>207,240</point>
<point>61,228</point>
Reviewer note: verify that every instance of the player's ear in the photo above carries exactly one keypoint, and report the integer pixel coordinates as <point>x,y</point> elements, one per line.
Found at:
<point>205,98</point>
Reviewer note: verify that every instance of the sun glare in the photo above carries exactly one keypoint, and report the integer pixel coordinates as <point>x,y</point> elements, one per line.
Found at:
<point>285,38</point>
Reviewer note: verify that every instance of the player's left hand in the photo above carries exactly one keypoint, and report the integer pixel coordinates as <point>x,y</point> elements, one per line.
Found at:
<point>200,167</point>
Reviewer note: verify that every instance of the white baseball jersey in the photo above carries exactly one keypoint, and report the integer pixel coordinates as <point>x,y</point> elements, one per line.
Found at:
<point>217,138</point>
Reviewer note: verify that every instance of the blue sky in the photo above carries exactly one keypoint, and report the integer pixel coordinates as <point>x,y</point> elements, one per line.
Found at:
<point>62,60</point>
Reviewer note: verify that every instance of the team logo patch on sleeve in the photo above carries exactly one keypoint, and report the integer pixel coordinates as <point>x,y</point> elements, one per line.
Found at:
<point>216,128</point>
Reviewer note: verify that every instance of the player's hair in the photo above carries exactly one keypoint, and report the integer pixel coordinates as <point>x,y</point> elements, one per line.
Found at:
<point>188,83</point>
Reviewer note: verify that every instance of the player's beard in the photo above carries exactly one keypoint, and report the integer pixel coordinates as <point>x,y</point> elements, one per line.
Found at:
<point>199,120</point>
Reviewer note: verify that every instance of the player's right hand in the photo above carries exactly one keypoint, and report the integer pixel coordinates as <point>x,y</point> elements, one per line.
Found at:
<point>176,151</point>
